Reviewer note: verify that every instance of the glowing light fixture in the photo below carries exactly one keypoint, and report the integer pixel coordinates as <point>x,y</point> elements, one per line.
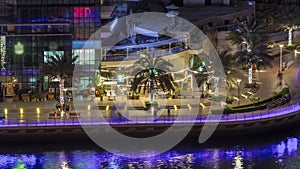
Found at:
<point>38,110</point>
<point>19,48</point>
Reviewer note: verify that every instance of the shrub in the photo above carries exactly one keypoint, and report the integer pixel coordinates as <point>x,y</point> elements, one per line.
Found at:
<point>148,103</point>
<point>291,47</point>
<point>260,105</point>
<point>229,100</point>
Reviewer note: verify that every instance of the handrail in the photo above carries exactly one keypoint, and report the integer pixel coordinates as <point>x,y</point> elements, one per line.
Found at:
<point>242,13</point>
<point>223,118</point>
<point>136,55</point>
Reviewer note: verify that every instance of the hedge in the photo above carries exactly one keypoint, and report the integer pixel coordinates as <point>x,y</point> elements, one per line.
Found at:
<point>261,105</point>
<point>283,92</point>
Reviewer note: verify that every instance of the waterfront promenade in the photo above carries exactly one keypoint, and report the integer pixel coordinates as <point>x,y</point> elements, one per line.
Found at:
<point>293,109</point>
<point>36,114</point>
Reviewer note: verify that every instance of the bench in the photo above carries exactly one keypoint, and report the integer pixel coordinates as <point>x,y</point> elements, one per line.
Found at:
<point>54,115</point>
<point>74,114</point>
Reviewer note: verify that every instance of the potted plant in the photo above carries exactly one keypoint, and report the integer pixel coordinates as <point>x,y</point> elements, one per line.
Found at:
<point>149,105</point>
<point>68,106</point>
<point>33,97</point>
<point>58,106</point>
<point>229,100</point>
<point>101,92</point>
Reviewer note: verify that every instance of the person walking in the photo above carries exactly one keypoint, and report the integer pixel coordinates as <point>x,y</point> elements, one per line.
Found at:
<point>169,112</point>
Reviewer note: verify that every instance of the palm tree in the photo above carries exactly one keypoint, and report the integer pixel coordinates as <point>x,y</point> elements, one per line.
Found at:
<point>249,26</point>
<point>154,71</point>
<point>228,62</point>
<point>252,32</point>
<point>198,69</point>
<point>289,18</point>
<point>203,75</point>
<point>255,54</point>
<point>60,67</point>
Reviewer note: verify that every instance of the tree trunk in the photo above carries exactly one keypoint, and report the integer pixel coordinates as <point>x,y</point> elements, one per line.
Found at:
<point>290,36</point>
<point>250,74</point>
<point>61,92</point>
<point>151,91</point>
<point>216,89</point>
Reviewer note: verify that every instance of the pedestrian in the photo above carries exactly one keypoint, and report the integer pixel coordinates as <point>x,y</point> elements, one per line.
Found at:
<point>169,111</point>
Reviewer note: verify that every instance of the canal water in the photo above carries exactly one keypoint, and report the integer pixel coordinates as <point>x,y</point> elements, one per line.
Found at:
<point>272,150</point>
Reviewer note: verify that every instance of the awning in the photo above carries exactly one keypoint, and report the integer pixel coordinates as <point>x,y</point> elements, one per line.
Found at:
<point>146,32</point>
<point>152,27</point>
<point>172,7</point>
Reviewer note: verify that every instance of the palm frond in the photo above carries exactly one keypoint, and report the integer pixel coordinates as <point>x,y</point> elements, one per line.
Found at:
<point>59,66</point>
<point>142,73</point>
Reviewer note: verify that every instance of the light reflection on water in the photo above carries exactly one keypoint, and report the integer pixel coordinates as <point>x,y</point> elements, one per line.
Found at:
<point>283,154</point>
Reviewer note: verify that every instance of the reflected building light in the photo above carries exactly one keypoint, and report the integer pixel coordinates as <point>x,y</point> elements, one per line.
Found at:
<point>65,165</point>
<point>147,164</point>
<point>113,164</point>
<point>7,160</point>
<point>189,158</point>
<point>79,159</point>
<point>29,160</point>
<point>63,161</point>
<point>130,166</point>
<point>16,161</point>
<point>230,153</point>
<point>280,148</point>
<point>215,158</point>
<point>238,161</point>
<point>292,145</point>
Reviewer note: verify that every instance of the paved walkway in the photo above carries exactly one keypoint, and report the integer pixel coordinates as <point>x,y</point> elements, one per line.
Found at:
<point>32,110</point>
<point>242,117</point>
<point>267,78</point>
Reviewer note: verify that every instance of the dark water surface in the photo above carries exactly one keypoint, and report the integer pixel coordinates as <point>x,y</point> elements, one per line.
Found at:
<point>273,150</point>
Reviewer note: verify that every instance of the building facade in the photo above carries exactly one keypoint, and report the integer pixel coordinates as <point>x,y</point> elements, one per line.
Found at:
<point>32,30</point>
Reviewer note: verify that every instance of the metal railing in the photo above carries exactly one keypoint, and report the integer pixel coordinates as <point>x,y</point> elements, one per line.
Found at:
<point>211,118</point>
<point>136,55</point>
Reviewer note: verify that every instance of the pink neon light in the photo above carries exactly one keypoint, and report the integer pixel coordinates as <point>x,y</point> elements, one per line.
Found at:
<point>82,12</point>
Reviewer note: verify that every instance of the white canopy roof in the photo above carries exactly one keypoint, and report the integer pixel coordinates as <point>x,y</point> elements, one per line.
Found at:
<point>152,27</point>
<point>172,6</point>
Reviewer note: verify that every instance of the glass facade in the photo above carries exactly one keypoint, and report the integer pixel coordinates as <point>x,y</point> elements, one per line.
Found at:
<point>36,29</point>
<point>7,10</point>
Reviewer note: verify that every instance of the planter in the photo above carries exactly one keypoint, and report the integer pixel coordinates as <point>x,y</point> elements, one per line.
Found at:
<point>50,96</point>
<point>15,98</point>
<point>149,105</point>
<point>25,97</point>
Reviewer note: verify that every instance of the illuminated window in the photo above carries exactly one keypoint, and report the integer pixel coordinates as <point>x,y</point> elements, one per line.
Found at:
<point>47,55</point>
<point>86,56</point>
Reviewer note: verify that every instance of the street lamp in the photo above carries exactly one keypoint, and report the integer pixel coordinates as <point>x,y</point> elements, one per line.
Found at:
<point>280,59</point>
<point>64,106</point>
<point>238,83</point>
